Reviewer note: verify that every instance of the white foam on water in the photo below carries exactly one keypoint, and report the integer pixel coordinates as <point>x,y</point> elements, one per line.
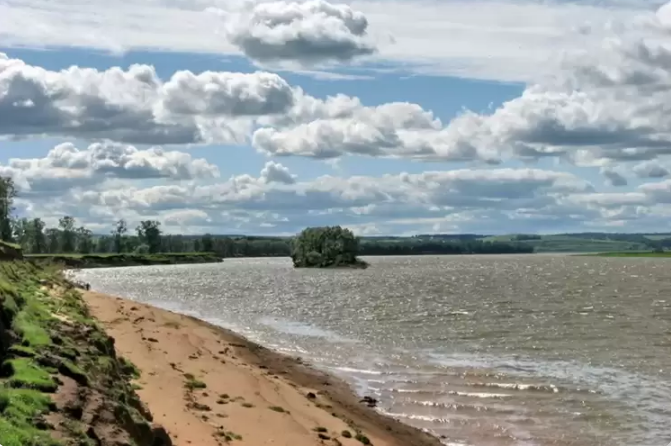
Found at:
<point>358,371</point>
<point>480,394</point>
<point>301,329</point>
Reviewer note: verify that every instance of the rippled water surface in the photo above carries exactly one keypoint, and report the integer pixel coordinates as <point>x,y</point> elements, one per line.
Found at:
<point>483,350</point>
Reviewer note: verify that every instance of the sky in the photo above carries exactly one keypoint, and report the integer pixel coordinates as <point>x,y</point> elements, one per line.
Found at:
<point>393,117</point>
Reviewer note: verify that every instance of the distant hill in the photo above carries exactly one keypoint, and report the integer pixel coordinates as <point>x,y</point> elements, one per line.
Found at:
<point>589,242</point>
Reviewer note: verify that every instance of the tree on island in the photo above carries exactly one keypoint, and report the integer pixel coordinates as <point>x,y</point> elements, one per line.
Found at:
<point>326,247</point>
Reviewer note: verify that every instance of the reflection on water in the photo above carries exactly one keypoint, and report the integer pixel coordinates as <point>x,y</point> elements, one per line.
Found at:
<point>498,350</point>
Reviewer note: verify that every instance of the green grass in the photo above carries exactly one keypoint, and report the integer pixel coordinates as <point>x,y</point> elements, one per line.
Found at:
<point>10,245</point>
<point>362,439</point>
<point>78,349</point>
<point>31,325</point>
<point>18,409</point>
<point>192,383</point>
<point>572,244</point>
<point>25,373</point>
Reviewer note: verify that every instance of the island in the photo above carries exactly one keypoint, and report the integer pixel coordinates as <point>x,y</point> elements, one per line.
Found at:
<point>326,247</point>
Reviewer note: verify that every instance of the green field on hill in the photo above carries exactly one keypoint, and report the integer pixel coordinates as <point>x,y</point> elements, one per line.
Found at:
<point>584,243</point>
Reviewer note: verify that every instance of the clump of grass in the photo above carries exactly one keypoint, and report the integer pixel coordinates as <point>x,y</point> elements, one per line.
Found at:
<point>18,409</point>
<point>278,409</point>
<point>195,384</point>
<point>25,373</point>
<point>68,368</point>
<point>22,350</point>
<point>30,323</point>
<point>192,383</point>
<point>346,434</point>
<point>247,405</point>
<point>362,438</point>
<point>128,368</point>
<point>320,429</point>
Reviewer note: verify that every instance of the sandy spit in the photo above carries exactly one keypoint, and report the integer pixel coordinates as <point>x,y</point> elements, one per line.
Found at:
<point>252,395</point>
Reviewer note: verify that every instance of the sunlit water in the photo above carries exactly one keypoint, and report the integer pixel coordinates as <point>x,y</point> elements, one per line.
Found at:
<point>483,350</point>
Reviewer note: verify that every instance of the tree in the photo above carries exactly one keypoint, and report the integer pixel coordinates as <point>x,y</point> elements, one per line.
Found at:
<point>207,244</point>
<point>53,240</point>
<point>68,234</point>
<point>149,234</point>
<point>104,244</point>
<point>7,195</point>
<point>118,233</point>
<point>325,247</point>
<point>84,240</point>
<point>38,238</point>
<point>21,232</point>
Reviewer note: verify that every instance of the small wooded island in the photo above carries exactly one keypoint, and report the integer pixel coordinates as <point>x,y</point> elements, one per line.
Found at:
<point>326,247</point>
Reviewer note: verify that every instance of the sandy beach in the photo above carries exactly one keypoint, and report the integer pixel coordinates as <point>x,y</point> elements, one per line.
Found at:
<point>209,386</point>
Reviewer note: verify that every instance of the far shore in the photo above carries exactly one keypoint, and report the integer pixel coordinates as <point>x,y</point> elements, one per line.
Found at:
<point>200,380</point>
<point>629,254</point>
<point>84,261</point>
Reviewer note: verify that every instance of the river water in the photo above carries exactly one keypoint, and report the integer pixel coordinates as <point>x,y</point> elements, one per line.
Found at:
<point>483,350</point>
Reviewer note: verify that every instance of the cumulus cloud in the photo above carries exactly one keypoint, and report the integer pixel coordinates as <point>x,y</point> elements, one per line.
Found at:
<point>613,177</point>
<point>67,166</point>
<point>436,192</point>
<point>608,104</point>
<point>340,125</point>
<point>134,105</point>
<point>650,169</point>
<point>314,31</point>
<point>486,39</point>
<point>490,200</point>
<point>275,172</point>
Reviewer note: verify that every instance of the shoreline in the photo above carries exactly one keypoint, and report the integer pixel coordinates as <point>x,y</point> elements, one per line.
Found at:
<point>295,403</point>
<point>87,261</point>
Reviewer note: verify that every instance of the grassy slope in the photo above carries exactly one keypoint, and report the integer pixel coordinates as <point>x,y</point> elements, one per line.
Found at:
<point>110,260</point>
<point>61,382</point>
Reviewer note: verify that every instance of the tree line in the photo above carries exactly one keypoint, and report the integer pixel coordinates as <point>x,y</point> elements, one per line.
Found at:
<point>147,237</point>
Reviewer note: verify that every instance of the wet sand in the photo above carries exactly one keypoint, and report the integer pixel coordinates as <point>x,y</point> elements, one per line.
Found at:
<point>209,386</point>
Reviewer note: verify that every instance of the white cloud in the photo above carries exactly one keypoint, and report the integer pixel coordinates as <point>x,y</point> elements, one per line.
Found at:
<point>275,172</point>
<point>389,196</point>
<point>134,105</point>
<point>66,166</point>
<point>305,33</point>
<point>607,105</point>
<point>492,39</point>
<point>651,169</point>
<point>500,200</point>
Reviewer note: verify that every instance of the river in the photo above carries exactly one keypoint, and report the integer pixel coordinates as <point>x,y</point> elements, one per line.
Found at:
<point>482,350</point>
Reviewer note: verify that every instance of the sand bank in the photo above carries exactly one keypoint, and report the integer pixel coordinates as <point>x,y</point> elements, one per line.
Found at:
<point>208,386</point>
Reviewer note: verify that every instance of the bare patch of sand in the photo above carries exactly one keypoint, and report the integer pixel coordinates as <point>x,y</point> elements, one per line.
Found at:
<point>208,386</point>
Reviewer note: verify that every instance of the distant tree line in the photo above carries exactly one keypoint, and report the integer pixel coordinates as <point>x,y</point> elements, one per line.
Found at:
<point>147,237</point>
